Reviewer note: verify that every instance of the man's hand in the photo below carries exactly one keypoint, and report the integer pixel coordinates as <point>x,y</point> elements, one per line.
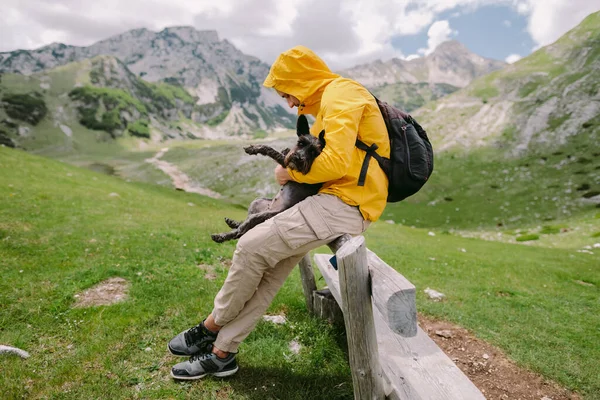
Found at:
<point>281,175</point>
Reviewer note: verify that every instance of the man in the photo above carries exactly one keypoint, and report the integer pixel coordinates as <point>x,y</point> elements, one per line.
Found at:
<point>266,255</point>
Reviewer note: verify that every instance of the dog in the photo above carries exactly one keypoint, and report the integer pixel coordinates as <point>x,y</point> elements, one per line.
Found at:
<point>300,158</point>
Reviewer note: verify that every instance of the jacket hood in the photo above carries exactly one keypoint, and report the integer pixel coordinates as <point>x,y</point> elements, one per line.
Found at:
<point>302,74</point>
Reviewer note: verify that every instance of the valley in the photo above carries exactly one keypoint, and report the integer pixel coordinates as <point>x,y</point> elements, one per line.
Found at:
<point>119,159</point>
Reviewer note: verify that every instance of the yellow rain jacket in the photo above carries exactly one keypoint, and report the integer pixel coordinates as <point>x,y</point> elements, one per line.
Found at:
<point>346,111</point>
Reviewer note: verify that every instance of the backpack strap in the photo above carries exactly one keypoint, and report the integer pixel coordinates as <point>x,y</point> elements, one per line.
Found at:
<point>370,150</point>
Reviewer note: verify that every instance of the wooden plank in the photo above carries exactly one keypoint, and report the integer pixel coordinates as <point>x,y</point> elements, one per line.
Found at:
<point>358,317</point>
<point>394,296</point>
<point>308,281</point>
<point>415,368</point>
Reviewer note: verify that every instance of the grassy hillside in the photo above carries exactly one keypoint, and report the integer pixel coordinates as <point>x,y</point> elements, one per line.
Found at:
<point>540,101</point>
<point>410,96</point>
<point>65,229</point>
<point>549,191</point>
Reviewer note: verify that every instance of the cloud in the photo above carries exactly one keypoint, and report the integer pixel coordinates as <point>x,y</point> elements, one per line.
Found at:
<point>507,23</point>
<point>513,58</point>
<point>343,32</point>
<point>548,20</point>
<point>438,33</point>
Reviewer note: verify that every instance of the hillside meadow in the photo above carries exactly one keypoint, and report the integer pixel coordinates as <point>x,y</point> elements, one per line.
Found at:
<point>65,229</point>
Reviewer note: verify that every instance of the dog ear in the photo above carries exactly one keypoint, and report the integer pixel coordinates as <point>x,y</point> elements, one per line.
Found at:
<point>302,127</point>
<point>322,139</point>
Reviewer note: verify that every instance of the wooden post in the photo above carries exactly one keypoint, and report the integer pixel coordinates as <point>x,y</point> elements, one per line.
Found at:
<point>308,281</point>
<point>337,244</point>
<point>326,307</point>
<point>414,367</point>
<point>355,288</point>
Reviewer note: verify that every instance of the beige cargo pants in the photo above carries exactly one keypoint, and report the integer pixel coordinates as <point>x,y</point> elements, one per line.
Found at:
<point>266,255</point>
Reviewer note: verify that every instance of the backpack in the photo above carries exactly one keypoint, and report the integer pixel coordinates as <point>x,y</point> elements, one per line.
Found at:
<point>411,156</point>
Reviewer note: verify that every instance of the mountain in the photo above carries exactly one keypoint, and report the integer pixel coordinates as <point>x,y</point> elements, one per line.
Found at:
<point>540,101</point>
<point>450,63</point>
<point>410,96</point>
<point>400,82</point>
<point>224,82</point>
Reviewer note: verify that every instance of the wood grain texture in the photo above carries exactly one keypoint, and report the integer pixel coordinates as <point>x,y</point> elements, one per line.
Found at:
<point>308,281</point>
<point>358,317</point>
<point>414,368</point>
<point>394,296</point>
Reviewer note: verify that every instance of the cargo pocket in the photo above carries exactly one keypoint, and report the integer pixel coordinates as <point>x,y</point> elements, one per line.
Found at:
<point>316,217</point>
<point>301,225</point>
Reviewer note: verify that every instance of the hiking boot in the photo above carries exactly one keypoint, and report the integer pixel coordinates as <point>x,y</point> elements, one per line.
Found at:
<point>200,365</point>
<point>196,340</point>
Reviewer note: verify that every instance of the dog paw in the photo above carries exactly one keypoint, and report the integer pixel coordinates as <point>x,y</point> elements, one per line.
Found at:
<point>217,238</point>
<point>251,149</point>
<point>232,223</point>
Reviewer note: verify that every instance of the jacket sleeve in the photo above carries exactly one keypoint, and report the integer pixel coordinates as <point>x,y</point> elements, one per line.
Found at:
<point>342,107</point>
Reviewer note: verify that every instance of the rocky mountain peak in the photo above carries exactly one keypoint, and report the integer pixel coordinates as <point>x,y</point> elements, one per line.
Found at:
<point>451,63</point>
<point>190,34</point>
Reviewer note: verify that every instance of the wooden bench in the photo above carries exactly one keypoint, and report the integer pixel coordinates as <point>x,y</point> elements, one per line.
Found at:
<point>390,356</point>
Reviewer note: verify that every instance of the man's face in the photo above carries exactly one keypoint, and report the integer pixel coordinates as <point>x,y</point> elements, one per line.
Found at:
<point>291,100</point>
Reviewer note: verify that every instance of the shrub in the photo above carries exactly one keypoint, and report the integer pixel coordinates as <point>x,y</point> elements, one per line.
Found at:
<point>591,194</point>
<point>28,107</point>
<point>218,119</point>
<point>528,237</point>
<point>139,128</point>
<point>550,230</point>
<point>114,100</point>
<point>260,134</point>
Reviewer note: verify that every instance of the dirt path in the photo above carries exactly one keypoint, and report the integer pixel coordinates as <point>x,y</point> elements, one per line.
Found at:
<point>488,368</point>
<point>180,180</point>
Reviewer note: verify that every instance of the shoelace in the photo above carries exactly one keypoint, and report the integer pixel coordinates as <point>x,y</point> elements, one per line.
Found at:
<point>193,335</point>
<point>200,357</point>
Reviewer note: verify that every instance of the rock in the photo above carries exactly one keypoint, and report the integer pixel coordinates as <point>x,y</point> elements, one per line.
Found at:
<point>114,195</point>
<point>276,319</point>
<point>434,294</point>
<point>66,130</point>
<point>446,333</point>
<point>485,356</point>
<point>295,347</point>
<point>148,349</point>
<point>431,234</point>
<point>13,350</point>
<point>389,221</point>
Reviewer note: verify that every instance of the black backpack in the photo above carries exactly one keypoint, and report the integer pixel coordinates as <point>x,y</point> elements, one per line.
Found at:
<point>411,156</point>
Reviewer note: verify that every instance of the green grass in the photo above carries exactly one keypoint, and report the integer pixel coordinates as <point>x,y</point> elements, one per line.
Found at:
<point>483,190</point>
<point>528,237</point>
<point>523,299</point>
<point>139,128</point>
<point>61,232</point>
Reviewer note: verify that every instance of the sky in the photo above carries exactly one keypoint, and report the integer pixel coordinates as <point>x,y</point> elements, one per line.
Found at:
<point>344,32</point>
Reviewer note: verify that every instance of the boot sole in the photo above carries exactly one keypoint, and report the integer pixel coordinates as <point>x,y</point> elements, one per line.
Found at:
<point>222,374</point>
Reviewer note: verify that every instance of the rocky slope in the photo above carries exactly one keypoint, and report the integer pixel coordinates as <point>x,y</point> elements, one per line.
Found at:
<point>225,83</point>
<point>410,84</point>
<point>539,101</point>
<point>451,63</point>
